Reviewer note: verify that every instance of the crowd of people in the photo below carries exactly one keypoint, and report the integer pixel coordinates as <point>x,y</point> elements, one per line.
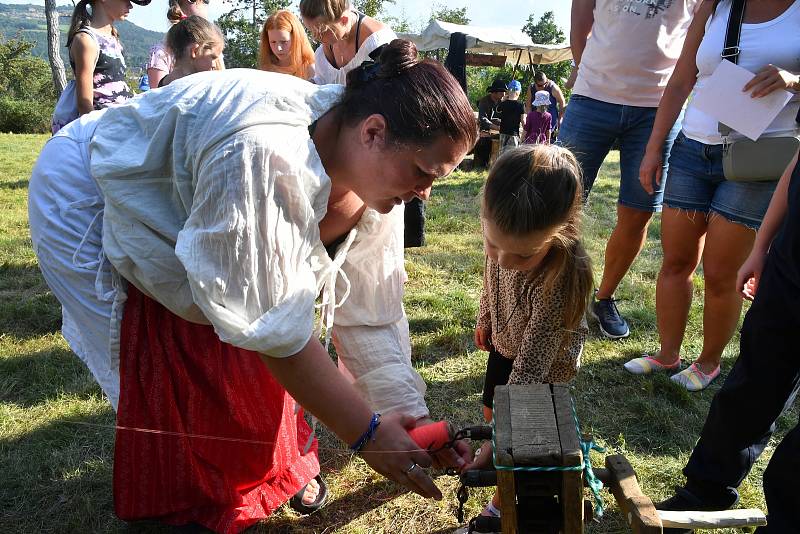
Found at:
<point>191,233</point>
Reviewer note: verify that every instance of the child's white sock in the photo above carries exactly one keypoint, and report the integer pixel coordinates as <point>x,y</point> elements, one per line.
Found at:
<point>491,510</point>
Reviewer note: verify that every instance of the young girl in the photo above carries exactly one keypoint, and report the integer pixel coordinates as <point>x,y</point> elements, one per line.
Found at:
<point>538,277</point>
<point>196,44</point>
<point>161,61</point>
<point>284,46</point>
<point>538,124</point>
<point>95,54</point>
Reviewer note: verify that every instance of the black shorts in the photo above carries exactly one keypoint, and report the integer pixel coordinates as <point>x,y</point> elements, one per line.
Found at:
<point>498,369</point>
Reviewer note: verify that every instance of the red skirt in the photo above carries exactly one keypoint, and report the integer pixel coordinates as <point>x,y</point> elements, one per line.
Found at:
<point>178,377</point>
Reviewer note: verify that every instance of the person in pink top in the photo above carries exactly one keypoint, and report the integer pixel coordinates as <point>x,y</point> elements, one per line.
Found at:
<point>539,122</point>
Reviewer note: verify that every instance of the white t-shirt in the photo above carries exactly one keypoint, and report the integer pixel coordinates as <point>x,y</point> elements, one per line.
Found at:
<point>776,41</point>
<point>632,50</point>
<point>327,73</point>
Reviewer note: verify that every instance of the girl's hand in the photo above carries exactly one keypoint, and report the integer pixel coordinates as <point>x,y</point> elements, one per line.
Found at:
<point>650,170</point>
<point>483,459</point>
<point>749,274</point>
<point>483,339</point>
<point>394,455</point>
<point>770,79</point>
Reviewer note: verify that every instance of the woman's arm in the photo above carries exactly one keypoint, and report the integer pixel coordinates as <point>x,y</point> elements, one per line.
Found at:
<point>678,88</point>
<point>311,378</point>
<point>84,52</point>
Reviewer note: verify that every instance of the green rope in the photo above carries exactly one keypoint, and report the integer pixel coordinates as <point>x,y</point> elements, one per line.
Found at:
<point>595,484</point>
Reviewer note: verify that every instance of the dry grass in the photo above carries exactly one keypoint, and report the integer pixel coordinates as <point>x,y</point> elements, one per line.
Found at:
<point>56,440</point>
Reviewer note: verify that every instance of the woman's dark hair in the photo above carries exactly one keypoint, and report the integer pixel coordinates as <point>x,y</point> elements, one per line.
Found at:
<point>538,188</point>
<point>420,100</point>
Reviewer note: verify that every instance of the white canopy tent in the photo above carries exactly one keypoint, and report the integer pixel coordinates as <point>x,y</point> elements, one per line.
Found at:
<point>512,43</point>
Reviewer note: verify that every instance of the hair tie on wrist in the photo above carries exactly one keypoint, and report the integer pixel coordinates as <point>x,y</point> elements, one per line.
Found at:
<point>184,17</point>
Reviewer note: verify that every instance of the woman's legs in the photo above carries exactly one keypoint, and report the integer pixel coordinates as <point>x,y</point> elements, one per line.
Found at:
<point>727,246</point>
<point>682,240</point>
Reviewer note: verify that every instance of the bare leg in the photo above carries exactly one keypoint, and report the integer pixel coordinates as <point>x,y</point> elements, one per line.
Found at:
<point>682,239</point>
<point>727,246</point>
<point>626,240</point>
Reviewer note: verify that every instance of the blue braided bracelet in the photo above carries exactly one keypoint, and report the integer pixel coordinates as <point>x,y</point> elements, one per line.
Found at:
<point>368,435</point>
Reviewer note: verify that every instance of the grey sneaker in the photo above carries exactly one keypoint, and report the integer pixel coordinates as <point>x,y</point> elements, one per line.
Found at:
<point>611,323</point>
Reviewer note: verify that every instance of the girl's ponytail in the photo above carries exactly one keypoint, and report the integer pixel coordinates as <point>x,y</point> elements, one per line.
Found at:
<point>175,13</point>
<point>81,16</point>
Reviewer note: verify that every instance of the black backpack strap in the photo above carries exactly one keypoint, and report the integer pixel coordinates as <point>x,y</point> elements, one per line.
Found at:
<point>731,49</point>
<point>734,31</point>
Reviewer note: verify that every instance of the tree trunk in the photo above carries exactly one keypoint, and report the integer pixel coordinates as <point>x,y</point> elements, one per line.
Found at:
<point>53,45</point>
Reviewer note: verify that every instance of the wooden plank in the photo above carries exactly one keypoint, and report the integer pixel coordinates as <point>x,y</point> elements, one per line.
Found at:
<point>508,499</point>
<point>534,432</point>
<point>502,425</point>
<point>572,501</point>
<point>567,432</point>
<point>637,508</point>
<point>752,517</point>
<point>484,60</point>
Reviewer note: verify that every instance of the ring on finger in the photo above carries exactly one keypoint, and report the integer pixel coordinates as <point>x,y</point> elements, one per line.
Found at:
<point>413,466</point>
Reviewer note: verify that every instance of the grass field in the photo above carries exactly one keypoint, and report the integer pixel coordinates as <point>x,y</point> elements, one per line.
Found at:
<point>56,435</point>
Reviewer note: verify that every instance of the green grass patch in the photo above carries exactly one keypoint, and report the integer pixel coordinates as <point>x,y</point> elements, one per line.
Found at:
<point>56,436</point>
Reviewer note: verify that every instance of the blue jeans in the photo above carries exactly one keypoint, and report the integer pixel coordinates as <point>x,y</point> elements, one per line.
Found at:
<point>590,129</point>
<point>697,183</point>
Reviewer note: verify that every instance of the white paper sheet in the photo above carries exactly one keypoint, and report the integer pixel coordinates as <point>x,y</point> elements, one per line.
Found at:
<point>722,98</point>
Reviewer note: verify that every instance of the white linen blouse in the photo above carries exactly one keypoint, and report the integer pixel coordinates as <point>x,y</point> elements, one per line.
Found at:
<point>213,193</point>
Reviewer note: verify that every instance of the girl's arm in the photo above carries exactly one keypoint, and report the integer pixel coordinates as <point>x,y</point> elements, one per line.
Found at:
<point>84,52</point>
<point>483,328</point>
<point>154,76</point>
<point>750,272</point>
<point>678,88</point>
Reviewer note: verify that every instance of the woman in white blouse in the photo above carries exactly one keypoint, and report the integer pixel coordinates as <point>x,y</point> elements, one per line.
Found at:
<point>213,201</point>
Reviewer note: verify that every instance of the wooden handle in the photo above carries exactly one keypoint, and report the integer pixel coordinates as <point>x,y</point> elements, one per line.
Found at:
<point>726,518</point>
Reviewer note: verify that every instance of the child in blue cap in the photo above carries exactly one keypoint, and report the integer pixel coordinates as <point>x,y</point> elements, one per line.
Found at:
<point>512,114</point>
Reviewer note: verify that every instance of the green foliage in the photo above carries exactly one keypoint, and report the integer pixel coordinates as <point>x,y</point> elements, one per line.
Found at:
<point>242,27</point>
<point>545,31</point>
<point>27,88</point>
<point>371,8</point>
<point>456,15</point>
<point>24,116</point>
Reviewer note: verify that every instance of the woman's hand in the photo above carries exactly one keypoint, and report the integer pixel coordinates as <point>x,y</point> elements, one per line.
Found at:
<point>750,273</point>
<point>457,457</point>
<point>394,455</point>
<point>650,170</point>
<point>483,338</point>
<point>770,79</point>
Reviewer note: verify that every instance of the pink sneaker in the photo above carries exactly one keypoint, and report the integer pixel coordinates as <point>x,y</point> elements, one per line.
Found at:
<point>693,379</point>
<point>647,364</point>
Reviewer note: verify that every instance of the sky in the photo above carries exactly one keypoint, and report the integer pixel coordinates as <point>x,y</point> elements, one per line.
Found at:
<point>417,12</point>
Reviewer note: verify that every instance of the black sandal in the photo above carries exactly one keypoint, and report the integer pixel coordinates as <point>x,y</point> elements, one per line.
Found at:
<point>296,502</point>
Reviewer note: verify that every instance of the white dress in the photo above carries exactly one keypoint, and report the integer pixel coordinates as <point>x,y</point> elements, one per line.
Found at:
<point>212,192</point>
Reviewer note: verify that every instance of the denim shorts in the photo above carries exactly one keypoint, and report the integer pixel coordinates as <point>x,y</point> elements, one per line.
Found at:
<point>591,127</point>
<point>697,183</point>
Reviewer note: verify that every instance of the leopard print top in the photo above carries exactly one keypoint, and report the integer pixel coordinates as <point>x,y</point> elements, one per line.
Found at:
<point>526,325</point>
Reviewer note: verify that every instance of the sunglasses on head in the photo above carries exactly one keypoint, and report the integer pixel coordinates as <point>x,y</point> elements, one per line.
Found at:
<point>206,2</point>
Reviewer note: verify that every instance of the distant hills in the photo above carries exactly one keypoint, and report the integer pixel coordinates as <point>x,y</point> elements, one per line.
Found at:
<point>27,21</point>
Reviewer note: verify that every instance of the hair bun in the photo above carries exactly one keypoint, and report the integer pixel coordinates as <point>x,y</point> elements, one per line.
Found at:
<point>397,56</point>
